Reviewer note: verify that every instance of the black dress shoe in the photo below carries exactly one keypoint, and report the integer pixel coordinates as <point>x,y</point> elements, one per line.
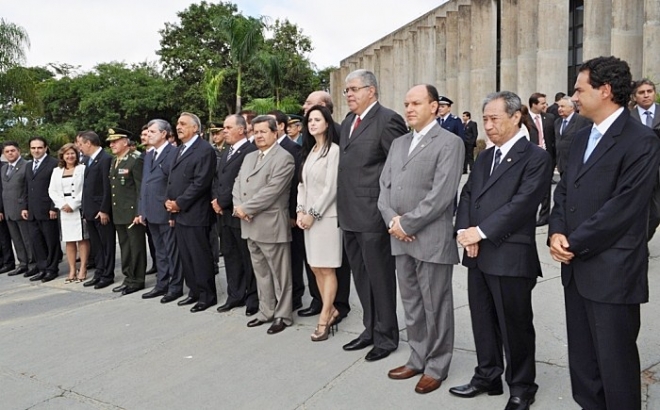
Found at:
<point>227,306</point>
<point>151,271</point>
<point>48,277</point>
<point>469,390</point>
<point>38,276</point>
<point>277,326</point>
<point>187,301</point>
<point>519,403</point>
<point>153,293</point>
<point>251,311</point>
<point>103,284</point>
<point>310,311</point>
<point>7,268</point>
<point>169,298</point>
<point>31,272</point>
<point>255,323</point>
<point>119,288</point>
<point>357,344</point>
<point>376,354</point>
<point>296,305</point>
<point>200,307</point>
<point>131,289</point>
<point>19,271</point>
<point>92,282</point>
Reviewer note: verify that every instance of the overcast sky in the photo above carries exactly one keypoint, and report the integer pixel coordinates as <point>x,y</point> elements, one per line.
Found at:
<point>88,32</point>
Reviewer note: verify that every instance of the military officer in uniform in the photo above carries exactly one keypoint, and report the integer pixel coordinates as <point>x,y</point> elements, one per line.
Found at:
<point>217,139</point>
<point>125,180</point>
<point>447,120</point>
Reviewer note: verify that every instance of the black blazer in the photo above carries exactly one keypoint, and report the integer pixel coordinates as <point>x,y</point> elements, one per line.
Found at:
<point>293,149</point>
<point>189,183</point>
<point>361,160</point>
<point>38,202</point>
<point>563,142</point>
<point>548,122</point>
<point>96,187</point>
<point>223,183</point>
<point>503,205</point>
<point>601,206</point>
<point>471,132</point>
<point>154,185</point>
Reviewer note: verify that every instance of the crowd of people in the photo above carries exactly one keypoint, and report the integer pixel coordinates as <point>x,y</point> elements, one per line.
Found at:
<point>280,195</point>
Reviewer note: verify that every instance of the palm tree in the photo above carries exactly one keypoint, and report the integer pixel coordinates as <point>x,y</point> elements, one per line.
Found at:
<point>245,38</point>
<point>13,40</point>
<point>212,82</point>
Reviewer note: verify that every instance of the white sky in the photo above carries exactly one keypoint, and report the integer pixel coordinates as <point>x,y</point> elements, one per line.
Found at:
<point>88,32</point>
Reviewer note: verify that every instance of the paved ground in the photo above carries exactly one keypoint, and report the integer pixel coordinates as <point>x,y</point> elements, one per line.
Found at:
<point>63,346</point>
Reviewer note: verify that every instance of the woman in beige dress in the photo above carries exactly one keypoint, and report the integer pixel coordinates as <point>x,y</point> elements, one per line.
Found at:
<point>317,211</point>
<point>65,190</point>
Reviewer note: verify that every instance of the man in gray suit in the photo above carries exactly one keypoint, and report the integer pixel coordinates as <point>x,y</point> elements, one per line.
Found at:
<point>417,187</point>
<point>261,199</point>
<point>366,136</point>
<point>13,196</point>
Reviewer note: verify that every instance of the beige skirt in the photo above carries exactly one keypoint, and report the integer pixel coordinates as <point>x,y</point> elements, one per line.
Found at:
<point>323,243</point>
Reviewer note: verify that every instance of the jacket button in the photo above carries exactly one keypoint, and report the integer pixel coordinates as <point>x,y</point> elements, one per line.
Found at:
<point>571,209</point>
<point>403,169</point>
<point>577,185</point>
<point>477,206</point>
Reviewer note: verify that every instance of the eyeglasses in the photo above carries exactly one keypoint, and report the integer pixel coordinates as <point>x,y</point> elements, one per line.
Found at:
<point>353,89</point>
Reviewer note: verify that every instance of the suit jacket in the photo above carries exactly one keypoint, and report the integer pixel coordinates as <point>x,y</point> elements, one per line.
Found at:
<point>503,205</point>
<point>38,203</point>
<point>125,181</point>
<point>656,120</point>
<point>318,189</point>
<point>293,149</point>
<point>226,172</point>
<point>262,190</point>
<point>361,161</point>
<point>96,187</point>
<point>55,188</point>
<point>548,122</point>
<point>189,183</point>
<point>154,185</point>
<point>421,188</point>
<point>453,124</point>
<point>563,141</point>
<point>13,190</point>
<point>471,132</point>
<point>553,109</point>
<point>601,207</point>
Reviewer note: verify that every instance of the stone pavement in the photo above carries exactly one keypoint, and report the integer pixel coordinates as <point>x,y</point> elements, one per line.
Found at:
<point>63,346</point>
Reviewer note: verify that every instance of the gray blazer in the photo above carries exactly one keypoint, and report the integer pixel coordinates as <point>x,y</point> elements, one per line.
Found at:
<point>262,190</point>
<point>656,120</point>
<point>421,187</point>
<point>14,195</point>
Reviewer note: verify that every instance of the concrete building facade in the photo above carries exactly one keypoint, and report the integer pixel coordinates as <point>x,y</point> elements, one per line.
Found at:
<point>469,48</point>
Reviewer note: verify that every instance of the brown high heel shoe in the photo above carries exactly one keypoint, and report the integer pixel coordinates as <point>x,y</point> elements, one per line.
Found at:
<point>319,335</point>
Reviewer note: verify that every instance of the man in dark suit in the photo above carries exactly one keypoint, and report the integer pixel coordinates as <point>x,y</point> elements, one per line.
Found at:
<point>13,195</point>
<point>189,203</point>
<point>417,191</point>
<point>40,211</point>
<point>125,180</point>
<point>97,208</point>
<point>447,120</point>
<point>470,132</point>
<point>241,283</point>
<point>297,236</point>
<point>544,126</point>
<point>366,136</point>
<point>647,111</point>
<point>566,126</point>
<point>7,261</point>
<point>496,224</point>
<point>343,273</point>
<point>597,234</point>
<point>157,164</point>
<point>261,197</point>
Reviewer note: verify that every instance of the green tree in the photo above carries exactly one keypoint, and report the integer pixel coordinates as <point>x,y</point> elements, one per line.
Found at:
<point>13,41</point>
<point>213,80</point>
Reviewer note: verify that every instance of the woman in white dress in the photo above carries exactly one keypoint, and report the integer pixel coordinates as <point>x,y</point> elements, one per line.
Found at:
<point>65,190</point>
<point>317,211</point>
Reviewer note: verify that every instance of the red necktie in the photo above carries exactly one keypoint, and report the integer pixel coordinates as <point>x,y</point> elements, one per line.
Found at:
<point>356,124</point>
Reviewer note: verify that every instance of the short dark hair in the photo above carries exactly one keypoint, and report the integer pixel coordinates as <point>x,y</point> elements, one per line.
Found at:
<point>249,115</point>
<point>613,71</point>
<point>10,144</point>
<point>534,98</point>
<point>272,124</point>
<point>38,138</point>
<point>90,136</point>
<point>280,117</point>
<point>144,127</point>
<point>467,114</point>
<point>559,96</point>
<point>643,81</point>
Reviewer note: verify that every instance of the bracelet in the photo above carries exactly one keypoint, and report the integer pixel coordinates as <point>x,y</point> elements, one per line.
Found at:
<point>314,214</point>
<point>300,208</point>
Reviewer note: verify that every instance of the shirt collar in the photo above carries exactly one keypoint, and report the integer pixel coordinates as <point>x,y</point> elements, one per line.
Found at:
<point>239,144</point>
<point>424,130</point>
<point>268,150</point>
<point>641,111</point>
<point>607,122</point>
<point>506,147</point>
<point>366,111</point>
<point>95,154</point>
<point>568,119</point>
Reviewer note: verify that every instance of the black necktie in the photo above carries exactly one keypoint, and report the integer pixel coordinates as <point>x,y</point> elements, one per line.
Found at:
<point>496,162</point>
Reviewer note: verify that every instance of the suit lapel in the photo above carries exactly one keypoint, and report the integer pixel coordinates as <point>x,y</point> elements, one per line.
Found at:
<point>366,122</point>
<point>606,142</point>
<point>511,158</point>
<point>265,160</point>
<point>421,145</point>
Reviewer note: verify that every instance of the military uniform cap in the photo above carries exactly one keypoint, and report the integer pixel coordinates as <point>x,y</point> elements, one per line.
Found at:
<point>445,100</point>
